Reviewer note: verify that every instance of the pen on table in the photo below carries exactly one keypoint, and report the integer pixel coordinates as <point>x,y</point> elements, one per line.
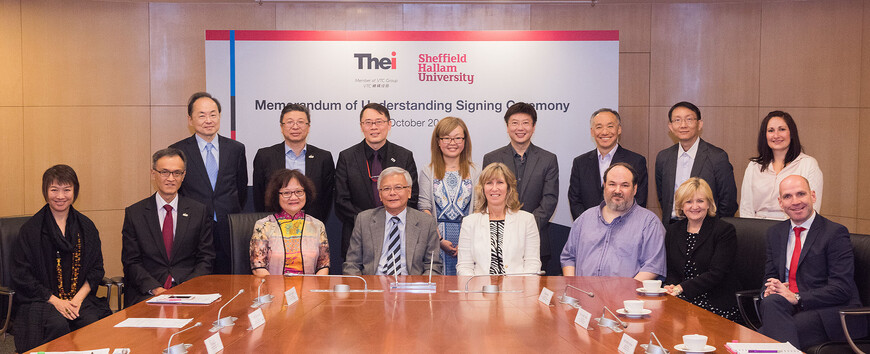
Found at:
<point>762,351</point>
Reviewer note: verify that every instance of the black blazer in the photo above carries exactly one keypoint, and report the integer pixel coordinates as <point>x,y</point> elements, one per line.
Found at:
<point>539,192</point>
<point>143,252</point>
<point>825,273</point>
<point>231,187</point>
<point>353,188</point>
<point>585,189</point>
<point>319,167</point>
<point>711,164</point>
<point>714,256</point>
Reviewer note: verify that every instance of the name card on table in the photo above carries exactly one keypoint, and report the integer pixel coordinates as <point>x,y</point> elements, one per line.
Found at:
<point>257,319</point>
<point>583,318</point>
<point>546,296</point>
<point>291,296</point>
<point>213,344</point>
<point>627,345</point>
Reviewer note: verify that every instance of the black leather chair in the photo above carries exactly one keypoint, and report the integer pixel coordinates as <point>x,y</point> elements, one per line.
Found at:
<point>241,229</point>
<point>751,255</point>
<point>9,228</point>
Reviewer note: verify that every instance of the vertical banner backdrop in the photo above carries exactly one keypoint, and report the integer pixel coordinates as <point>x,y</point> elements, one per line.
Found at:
<point>420,77</point>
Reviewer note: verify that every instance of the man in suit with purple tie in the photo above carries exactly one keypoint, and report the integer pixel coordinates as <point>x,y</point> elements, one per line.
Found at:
<point>217,171</point>
<point>166,238</point>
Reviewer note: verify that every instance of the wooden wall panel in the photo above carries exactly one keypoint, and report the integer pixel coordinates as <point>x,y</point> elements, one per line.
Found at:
<point>863,227</point>
<point>109,223</point>
<point>465,17</point>
<point>169,125</point>
<point>705,53</point>
<point>863,156</point>
<point>177,35</point>
<point>11,171</point>
<point>811,53</point>
<point>835,146</point>
<point>635,129</point>
<point>339,17</point>
<point>10,53</point>
<point>634,79</point>
<point>632,21</point>
<point>107,146</point>
<point>865,58</point>
<point>84,53</point>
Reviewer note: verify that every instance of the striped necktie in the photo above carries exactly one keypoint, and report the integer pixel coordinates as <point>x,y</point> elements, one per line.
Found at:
<point>393,265</point>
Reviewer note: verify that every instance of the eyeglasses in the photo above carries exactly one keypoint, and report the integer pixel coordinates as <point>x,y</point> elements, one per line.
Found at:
<point>525,124</point>
<point>166,173</point>
<point>370,123</point>
<point>287,194</point>
<point>688,121</point>
<point>394,188</point>
<point>297,123</point>
<point>448,140</point>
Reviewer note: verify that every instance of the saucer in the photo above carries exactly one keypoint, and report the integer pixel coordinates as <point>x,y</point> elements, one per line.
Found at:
<point>636,315</point>
<point>682,347</point>
<point>660,292</point>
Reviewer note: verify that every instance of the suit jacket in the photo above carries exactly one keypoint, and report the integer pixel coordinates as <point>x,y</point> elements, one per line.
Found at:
<point>585,189</point>
<point>367,243</point>
<point>825,273</point>
<point>519,250</point>
<point>711,164</point>
<point>353,188</point>
<point>539,192</point>
<point>143,252</point>
<point>714,255</point>
<point>231,187</point>
<point>319,167</point>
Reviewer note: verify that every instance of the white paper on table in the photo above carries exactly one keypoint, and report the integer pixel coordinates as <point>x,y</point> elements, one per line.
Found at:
<point>583,318</point>
<point>214,344</point>
<point>627,344</point>
<point>291,296</point>
<point>154,322</point>
<point>257,319</point>
<point>546,296</point>
<point>185,299</point>
<point>95,351</point>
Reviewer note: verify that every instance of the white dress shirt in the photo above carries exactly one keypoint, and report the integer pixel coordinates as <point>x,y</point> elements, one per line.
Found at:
<point>685,161</point>
<point>760,191</point>
<point>789,249</point>
<point>604,161</point>
<point>402,243</point>
<point>161,212</point>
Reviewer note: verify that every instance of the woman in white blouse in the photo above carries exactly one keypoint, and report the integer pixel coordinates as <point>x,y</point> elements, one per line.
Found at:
<point>780,155</point>
<point>498,237</point>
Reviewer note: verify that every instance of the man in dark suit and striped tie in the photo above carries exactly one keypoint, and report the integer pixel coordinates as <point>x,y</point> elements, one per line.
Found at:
<point>393,239</point>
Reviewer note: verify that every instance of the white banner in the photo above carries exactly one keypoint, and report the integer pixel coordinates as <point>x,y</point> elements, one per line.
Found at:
<point>420,77</point>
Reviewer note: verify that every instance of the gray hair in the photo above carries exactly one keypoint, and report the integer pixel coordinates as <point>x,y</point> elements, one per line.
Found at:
<point>389,171</point>
<point>602,110</point>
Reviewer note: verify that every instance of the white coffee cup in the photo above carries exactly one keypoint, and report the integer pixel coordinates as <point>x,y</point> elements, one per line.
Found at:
<point>695,341</point>
<point>652,286</point>
<point>633,306</point>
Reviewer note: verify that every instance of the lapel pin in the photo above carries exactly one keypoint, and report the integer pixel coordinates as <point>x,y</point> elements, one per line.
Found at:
<point>310,156</point>
<point>184,214</point>
<point>392,159</point>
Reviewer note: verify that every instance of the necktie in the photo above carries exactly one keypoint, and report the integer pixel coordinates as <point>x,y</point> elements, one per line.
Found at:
<point>394,256</point>
<point>167,240</point>
<point>375,171</point>
<point>795,258</point>
<point>211,165</point>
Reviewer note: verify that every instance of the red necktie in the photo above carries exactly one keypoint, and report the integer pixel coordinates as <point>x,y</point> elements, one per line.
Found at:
<point>167,240</point>
<point>795,258</point>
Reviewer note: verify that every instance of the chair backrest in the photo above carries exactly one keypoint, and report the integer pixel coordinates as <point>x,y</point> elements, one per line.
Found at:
<point>241,230</point>
<point>9,228</point>
<point>861,248</point>
<point>751,250</point>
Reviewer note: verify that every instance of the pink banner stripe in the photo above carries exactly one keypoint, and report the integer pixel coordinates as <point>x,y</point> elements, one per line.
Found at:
<point>224,35</point>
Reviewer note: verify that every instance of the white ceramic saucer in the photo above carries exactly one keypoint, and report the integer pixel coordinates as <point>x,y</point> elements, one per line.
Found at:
<point>682,347</point>
<point>661,291</point>
<point>635,315</point>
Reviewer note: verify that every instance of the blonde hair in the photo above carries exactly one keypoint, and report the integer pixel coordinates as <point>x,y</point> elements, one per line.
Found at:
<point>497,170</point>
<point>688,189</point>
<point>442,129</point>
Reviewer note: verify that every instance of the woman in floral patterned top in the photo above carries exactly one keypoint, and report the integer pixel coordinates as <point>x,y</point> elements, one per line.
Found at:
<point>289,241</point>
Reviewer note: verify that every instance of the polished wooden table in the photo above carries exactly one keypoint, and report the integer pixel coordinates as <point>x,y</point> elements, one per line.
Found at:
<point>408,322</point>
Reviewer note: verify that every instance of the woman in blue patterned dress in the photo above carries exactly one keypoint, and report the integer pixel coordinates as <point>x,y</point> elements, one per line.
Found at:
<point>447,185</point>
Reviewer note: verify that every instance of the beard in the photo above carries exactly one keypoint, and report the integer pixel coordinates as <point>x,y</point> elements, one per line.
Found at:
<point>618,206</point>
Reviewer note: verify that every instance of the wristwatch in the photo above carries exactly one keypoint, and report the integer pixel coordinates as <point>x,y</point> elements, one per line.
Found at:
<point>797,296</point>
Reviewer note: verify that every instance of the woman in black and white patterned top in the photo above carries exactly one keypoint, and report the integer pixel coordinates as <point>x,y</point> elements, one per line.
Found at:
<point>498,237</point>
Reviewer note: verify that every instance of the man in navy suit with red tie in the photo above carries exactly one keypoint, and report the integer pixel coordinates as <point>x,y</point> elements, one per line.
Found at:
<point>166,238</point>
<point>810,273</point>
<point>217,171</point>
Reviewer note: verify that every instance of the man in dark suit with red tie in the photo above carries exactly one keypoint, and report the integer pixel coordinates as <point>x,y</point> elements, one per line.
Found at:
<point>217,171</point>
<point>295,153</point>
<point>166,238</point>
<point>810,273</point>
<point>358,167</point>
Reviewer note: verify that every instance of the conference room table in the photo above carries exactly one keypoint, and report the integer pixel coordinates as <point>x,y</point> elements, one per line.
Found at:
<point>410,322</point>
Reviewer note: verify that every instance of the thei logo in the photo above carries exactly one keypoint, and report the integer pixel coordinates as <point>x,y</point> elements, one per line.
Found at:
<point>367,61</point>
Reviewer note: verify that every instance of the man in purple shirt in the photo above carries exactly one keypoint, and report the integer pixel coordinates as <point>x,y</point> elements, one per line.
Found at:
<point>618,238</point>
